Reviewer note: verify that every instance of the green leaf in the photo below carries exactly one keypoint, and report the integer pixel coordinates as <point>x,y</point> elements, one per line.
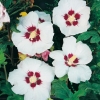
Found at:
<point>98,64</point>
<point>96,5</point>
<point>78,94</point>
<point>90,96</point>
<point>64,78</point>
<point>6,88</point>
<point>90,86</point>
<point>2,75</point>
<point>92,35</point>
<point>61,90</point>
<point>2,57</point>
<point>7,3</point>
<point>15,97</point>
<point>13,28</point>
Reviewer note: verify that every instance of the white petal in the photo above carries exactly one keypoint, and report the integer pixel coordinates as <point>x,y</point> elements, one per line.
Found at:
<point>38,93</point>
<point>46,85</point>
<point>83,53</point>
<point>16,76</point>
<point>60,22</point>
<point>71,4</point>
<point>46,32</point>
<point>83,23</point>
<point>20,88</point>
<point>31,19</point>
<point>41,46</point>
<point>29,95</point>
<point>43,16</point>
<point>79,73</point>
<point>85,14</point>
<point>47,73</point>
<point>27,47</point>
<point>60,68</point>
<point>69,45</point>
<point>29,64</point>
<point>6,17</point>
<point>42,92</point>
<point>17,38</point>
<point>81,27</point>
<point>58,19</point>
<point>57,55</point>
<point>21,29</point>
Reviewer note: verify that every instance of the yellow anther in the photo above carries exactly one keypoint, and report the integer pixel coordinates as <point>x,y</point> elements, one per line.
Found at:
<point>23,14</point>
<point>32,35</point>
<point>0,28</point>
<point>33,79</point>
<point>71,60</point>
<point>22,56</point>
<point>71,18</point>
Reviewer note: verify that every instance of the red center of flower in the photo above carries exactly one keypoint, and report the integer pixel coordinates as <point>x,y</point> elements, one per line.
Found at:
<point>32,34</point>
<point>71,60</point>
<point>72,18</point>
<point>33,79</point>
<point>41,20</point>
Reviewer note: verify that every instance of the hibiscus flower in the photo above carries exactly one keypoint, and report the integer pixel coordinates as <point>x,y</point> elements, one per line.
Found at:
<point>32,79</point>
<point>71,16</point>
<point>33,37</point>
<point>43,16</point>
<point>4,17</point>
<point>72,60</point>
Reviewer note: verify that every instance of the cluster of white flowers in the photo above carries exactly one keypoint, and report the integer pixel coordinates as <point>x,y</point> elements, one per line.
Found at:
<point>72,18</point>
<point>33,77</point>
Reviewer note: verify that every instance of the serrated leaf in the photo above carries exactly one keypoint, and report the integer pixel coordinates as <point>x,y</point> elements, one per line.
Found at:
<point>78,94</point>
<point>14,28</point>
<point>61,90</point>
<point>92,35</point>
<point>15,97</point>
<point>90,86</point>
<point>6,89</point>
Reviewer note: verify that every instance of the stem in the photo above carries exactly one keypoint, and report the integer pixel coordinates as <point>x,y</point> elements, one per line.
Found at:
<point>12,56</point>
<point>5,72</point>
<point>9,34</point>
<point>1,94</point>
<point>37,7</point>
<point>7,56</point>
<point>17,11</point>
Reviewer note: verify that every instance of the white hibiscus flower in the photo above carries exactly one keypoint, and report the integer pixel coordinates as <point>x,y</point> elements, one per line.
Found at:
<point>4,17</point>
<point>72,59</point>
<point>71,16</point>
<point>32,79</point>
<point>43,16</point>
<point>33,37</point>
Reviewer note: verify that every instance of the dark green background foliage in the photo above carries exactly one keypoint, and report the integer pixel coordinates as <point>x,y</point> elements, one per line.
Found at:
<point>62,89</point>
